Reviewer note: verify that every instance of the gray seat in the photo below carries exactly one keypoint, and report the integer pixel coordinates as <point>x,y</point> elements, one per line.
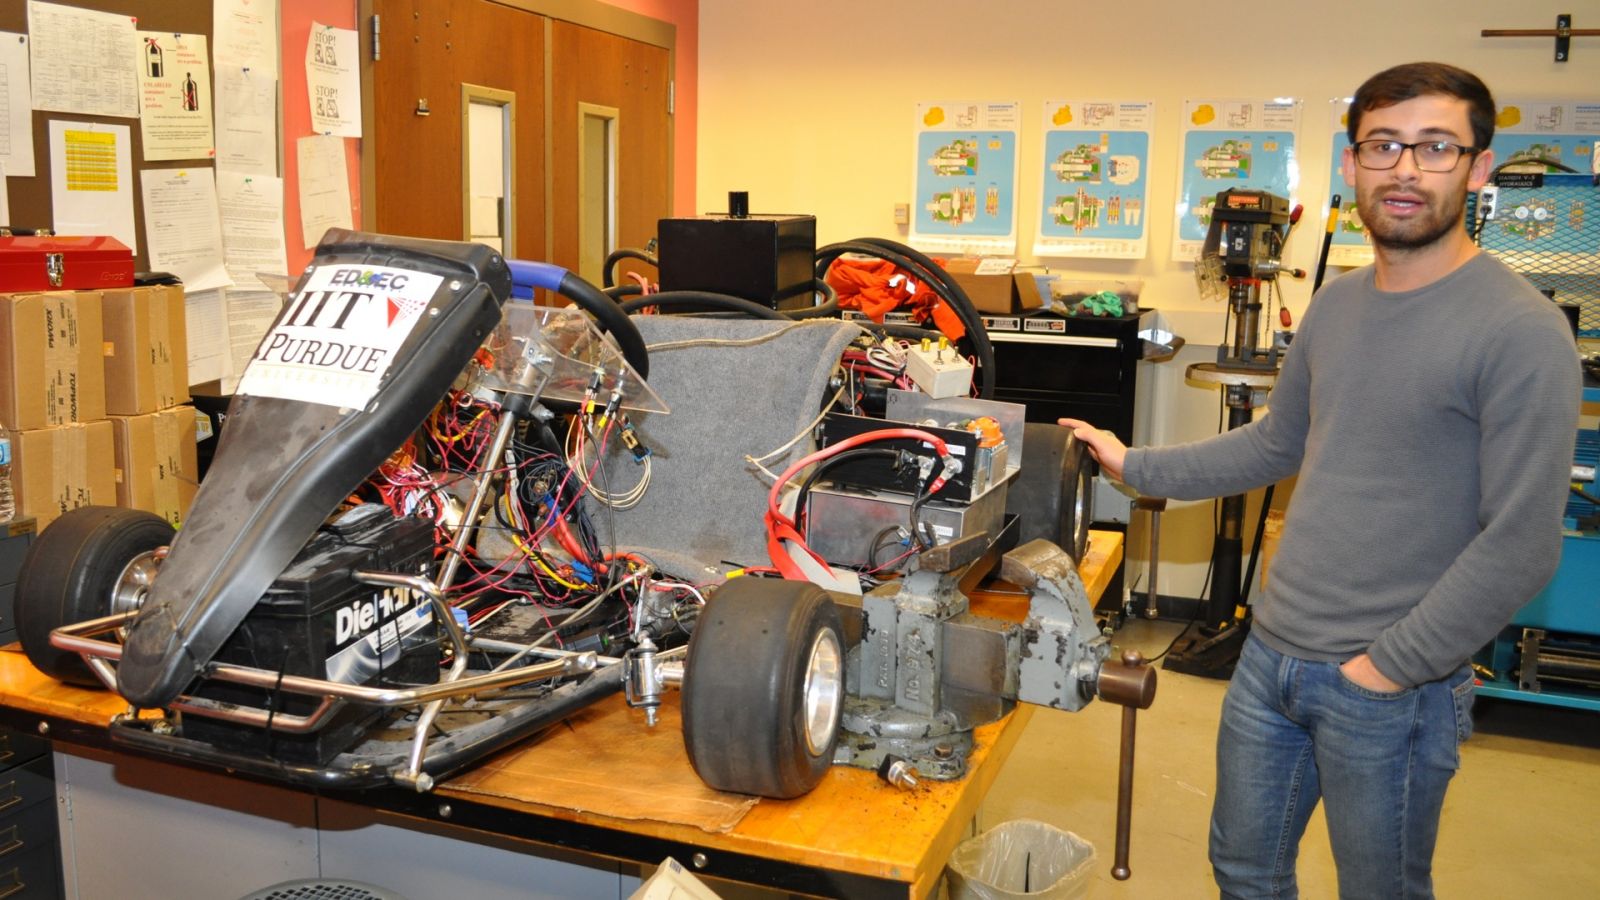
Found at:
<point>736,388</point>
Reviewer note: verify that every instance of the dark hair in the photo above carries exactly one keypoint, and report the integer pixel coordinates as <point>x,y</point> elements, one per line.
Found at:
<point>1411,80</point>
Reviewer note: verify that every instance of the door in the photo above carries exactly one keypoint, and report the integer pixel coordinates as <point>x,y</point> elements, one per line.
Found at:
<point>608,120</point>
<point>583,111</point>
<point>446,75</point>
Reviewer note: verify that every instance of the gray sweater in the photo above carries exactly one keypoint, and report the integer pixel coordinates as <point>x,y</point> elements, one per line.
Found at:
<point>1433,431</point>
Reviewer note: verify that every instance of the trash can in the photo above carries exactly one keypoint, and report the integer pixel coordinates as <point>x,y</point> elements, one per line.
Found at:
<point>1021,858</point>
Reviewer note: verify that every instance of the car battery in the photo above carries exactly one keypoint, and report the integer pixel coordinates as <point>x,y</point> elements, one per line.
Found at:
<point>64,263</point>
<point>318,621</point>
<point>765,259</point>
<point>981,466</point>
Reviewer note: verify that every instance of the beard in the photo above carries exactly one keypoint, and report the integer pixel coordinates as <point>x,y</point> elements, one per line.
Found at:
<point>1441,214</point>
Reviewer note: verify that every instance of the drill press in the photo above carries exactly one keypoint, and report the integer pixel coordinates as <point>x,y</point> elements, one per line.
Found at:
<point>1242,252</point>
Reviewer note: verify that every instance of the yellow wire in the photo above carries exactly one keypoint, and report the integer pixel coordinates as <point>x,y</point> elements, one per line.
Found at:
<point>505,501</point>
<point>464,431</point>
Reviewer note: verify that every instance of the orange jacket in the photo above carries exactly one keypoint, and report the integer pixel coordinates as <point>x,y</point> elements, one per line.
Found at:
<point>877,286</point>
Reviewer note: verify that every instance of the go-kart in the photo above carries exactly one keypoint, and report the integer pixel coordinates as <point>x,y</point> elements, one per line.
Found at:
<point>395,566</point>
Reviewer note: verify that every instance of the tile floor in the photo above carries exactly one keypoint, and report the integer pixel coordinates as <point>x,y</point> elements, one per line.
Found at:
<point>1522,818</point>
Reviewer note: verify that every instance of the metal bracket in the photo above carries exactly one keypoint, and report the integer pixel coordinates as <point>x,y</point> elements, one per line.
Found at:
<point>1563,33</point>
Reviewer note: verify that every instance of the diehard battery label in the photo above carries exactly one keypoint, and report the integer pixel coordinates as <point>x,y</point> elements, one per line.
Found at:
<point>372,633</point>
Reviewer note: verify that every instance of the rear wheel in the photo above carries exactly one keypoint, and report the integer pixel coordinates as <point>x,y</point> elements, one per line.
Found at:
<point>763,688</point>
<point>91,562</point>
<point>1052,494</point>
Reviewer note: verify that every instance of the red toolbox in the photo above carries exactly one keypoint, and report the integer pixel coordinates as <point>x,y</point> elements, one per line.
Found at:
<point>64,263</point>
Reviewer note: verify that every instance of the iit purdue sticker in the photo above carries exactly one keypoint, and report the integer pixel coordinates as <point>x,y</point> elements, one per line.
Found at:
<point>339,335</point>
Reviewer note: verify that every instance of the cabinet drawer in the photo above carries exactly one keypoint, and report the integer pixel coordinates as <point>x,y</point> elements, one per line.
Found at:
<point>29,829</point>
<point>12,549</point>
<point>25,785</point>
<point>8,622</point>
<point>35,875</point>
<point>17,747</point>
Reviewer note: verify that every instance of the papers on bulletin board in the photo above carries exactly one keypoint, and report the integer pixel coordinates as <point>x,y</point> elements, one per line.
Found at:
<point>251,208</point>
<point>182,226</point>
<point>91,180</point>
<point>247,121</point>
<point>1243,144</point>
<point>82,61</point>
<point>332,81</point>
<point>174,96</point>
<point>245,35</point>
<point>16,124</point>
<point>1096,179</point>
<point>206,319</point>
<point>5,198</point>
<point>1349,246</point>
<point>250,314</point>
<point>324,186</point>
<point>965,185</point>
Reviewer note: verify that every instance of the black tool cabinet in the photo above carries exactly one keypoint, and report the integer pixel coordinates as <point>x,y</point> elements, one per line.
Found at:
<point>30,864</point>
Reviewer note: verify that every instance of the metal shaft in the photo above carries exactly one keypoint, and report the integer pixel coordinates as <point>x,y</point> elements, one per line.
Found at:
<point>1119,869</point>
<point>480,491</point>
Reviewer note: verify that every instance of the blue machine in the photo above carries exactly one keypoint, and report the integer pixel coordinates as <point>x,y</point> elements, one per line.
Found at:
<point>1550,653</point>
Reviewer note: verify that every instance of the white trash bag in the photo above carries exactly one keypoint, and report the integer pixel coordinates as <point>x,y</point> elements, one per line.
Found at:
<point>1021,858</point>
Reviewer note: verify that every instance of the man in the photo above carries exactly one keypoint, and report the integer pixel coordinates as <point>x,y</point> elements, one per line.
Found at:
<point>1429,404</point>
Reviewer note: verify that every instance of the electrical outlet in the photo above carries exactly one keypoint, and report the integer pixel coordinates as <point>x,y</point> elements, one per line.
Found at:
<point>902,214</point>
<point>1488,200</point>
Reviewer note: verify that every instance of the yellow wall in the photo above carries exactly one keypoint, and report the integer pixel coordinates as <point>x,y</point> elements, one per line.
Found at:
<point>809,107</point>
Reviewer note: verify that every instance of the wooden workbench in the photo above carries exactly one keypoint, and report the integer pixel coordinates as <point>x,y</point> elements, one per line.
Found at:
<point>852,836</point>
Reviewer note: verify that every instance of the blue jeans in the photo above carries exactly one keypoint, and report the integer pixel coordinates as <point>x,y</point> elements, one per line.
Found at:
<point>1294,732</point>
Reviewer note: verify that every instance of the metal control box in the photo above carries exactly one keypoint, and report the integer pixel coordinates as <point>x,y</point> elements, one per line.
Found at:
<point>862,527</point>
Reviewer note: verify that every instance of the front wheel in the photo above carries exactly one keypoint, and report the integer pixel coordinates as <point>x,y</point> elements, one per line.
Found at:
<point>91,562</point>
<point>763,688</point>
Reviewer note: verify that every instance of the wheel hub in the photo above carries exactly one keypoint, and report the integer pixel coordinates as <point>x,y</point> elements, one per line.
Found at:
<point>824,689</point>
<point>133,585</point>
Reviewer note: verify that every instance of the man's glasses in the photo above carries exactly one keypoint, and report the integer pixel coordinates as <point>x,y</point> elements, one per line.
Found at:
<point>1430,156</point>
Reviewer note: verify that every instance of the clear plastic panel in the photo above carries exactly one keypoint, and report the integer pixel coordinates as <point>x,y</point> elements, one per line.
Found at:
<point>557,352</point>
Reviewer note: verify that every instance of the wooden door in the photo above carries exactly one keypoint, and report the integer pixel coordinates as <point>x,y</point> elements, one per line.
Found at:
<point>595,73</point>
<point>427,51</point>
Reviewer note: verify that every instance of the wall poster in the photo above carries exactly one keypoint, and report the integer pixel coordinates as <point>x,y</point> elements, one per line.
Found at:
<point>964,199</point>
<point>1095,179</point>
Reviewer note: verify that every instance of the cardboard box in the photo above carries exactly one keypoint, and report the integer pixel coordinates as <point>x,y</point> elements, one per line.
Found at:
<point>994,285</point>
<point>50,369</point>
<point>155,462</point>
<point>146,349</point>
<point>61,468</point>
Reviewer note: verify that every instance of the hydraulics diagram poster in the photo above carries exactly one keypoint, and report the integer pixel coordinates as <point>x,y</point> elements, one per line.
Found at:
<point>1240,144</point>
<point>966,178</point>
<point>1095,179</point>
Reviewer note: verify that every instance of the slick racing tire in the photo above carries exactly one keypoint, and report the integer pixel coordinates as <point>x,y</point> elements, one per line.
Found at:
<point>763,688</point>
<point>1052,493</point>
<point>91,562</point>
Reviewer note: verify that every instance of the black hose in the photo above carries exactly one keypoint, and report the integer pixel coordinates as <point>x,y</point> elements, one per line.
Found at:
<point>931,273</point>
<point>1255,544</point>
<point>832,461</point>
<point>961,303</point>
<point>621,254</point>
<point>611,318</point>
<point>829,307</point>
<point>623,290</point>
<point>703,299</point>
